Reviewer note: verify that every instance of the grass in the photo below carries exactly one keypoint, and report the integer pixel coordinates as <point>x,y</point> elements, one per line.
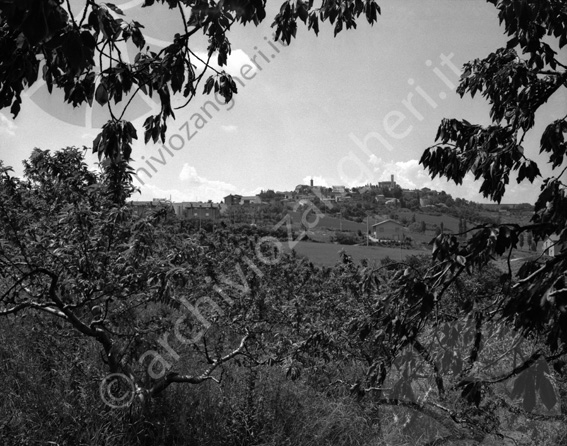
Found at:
<point>327,254</point>
<point>328,222</point>
<point>519,257</point>
<point>449,223</point>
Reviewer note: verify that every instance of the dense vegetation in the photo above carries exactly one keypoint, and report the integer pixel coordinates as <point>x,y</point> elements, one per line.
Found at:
<point>121,314</point>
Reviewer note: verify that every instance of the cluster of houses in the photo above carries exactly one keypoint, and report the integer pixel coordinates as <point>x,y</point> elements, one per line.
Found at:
<point>386,229</point>
<point>212,211</point>
<point>185,210</point>
<point>334,194</point>
<point>552,245</point>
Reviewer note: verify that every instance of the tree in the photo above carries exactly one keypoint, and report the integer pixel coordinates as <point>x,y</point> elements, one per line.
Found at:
<point>423,353</point>
<point>517,81</point>
<point>415,227</point>
<point>397,192</point>
<point>127,284</point>
<point>70,253</point>
<point>81,56</point>
<point>163,307</point>
<point>438,231</point>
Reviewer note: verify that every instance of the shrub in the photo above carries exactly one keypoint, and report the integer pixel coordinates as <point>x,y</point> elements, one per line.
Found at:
<point>345,238</point>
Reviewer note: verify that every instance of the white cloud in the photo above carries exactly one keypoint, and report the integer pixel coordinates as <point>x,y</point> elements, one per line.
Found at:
<point>411,175</point>
<point>197,188</point>
<point>408,174</point>
<point>235,61</point>
<point>317,181</point>
<point>200,188</point>
<point>229,128</point>
<point>7,126</point>
<point>200,193</point>
<point>251,192</point>
<point>373,159</point>
<point>150,191</point>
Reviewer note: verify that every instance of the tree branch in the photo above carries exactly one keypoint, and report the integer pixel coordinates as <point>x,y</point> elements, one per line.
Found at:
<point>174,377</point>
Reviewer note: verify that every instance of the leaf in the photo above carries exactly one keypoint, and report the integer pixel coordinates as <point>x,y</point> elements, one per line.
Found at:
<point>547,392</point>
<point>447,360</point>
<point>403,391</point>
<point>73,49</point>
<point>519,385</point>
<point>138,38</point>
<point>101,94</point>
<point>529,396</point>
<point>114,8</point>
<point>472,392</point>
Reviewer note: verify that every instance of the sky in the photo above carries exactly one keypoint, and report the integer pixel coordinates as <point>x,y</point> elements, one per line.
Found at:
<point>349,110</point>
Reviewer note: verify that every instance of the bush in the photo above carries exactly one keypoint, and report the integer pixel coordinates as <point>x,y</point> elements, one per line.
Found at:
<point>345,238</point>
<point>416,227</point>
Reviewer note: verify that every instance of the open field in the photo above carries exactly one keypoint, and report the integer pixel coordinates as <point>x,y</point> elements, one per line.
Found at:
<point>326,221</point>
<point>327,254</point>
<point>450,223</point>
<point>519,257</point>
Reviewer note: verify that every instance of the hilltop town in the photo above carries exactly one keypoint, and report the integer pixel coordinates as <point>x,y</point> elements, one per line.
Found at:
<point>354,204</point>
<point>385,212</point>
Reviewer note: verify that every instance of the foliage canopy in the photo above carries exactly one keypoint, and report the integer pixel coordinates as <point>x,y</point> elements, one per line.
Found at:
<point>516,81</point>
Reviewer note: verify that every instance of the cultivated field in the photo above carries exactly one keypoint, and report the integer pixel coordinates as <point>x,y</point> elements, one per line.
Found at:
<point>327,254</point>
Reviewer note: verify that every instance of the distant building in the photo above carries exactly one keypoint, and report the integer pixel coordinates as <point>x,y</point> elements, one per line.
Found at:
<point>197,210</point>
<point>380,199</point>
<point>143,208</point>
<point>316,190</point>
<point>302,189</point>
<point>254,199</point>
<point>232,200</point>
<point>338,193</point>
<point>387,184</point>
<point>389,229</point>
<point>552,246</point>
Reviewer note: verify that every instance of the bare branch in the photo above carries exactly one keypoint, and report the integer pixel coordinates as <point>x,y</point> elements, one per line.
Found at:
<point>175,377</point>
